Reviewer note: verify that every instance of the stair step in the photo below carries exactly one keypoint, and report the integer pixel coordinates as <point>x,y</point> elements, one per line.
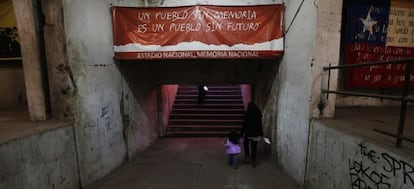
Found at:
<point>210,87</point>
<point>206,116</point>
<point>208,106</point>
<point>207,111</point>
<point>209,101</point>
<point>195,96</point>
<point>203,127</point>
<point>197,134</point>
<point>210,92</point>
<point>203,122</point>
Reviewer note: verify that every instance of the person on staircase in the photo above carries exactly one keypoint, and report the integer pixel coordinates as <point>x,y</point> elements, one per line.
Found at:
<point>252,131</point>
<point>202,90</point>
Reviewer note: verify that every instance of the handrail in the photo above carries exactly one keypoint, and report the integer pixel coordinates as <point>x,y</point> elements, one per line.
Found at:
<point>388,97</point>
<point>403,98</point>
<point>10,58</point>
<point>399,61</point>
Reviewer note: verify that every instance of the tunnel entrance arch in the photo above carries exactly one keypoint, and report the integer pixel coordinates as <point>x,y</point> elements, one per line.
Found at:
<point>256,78</point>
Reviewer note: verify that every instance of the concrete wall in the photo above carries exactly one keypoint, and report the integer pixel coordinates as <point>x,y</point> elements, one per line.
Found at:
<point>12,90</point>
<point>342,161</point>
<point>139,116</point>
<point>246,94</point>
<point>294,78</point>
<point>168,93</point>
<point>326,52</point>
<point>115,115</point>
<point>99,132</point>
<point>45,160</point>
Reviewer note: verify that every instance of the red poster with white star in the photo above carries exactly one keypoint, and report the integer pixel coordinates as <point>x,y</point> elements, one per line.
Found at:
<point>378,31</point>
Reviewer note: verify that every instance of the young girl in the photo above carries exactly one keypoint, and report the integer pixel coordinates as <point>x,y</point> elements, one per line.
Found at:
<point>233,148</point>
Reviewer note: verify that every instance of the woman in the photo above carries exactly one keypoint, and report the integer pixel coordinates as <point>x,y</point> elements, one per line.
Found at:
<point>251,131</point>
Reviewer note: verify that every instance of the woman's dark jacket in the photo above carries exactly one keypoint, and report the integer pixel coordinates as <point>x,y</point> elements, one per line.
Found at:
<point>252,123</point>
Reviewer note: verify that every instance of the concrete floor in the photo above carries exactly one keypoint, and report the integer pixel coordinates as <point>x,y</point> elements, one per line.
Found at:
<point>184,163</point>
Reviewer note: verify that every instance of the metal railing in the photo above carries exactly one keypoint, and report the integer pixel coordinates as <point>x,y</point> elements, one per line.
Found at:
<point>404,98</point>
<point>10,59</point>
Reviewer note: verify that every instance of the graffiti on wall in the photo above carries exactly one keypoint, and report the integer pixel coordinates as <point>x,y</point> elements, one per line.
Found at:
<point>106,117</point>
<point>379,170</point>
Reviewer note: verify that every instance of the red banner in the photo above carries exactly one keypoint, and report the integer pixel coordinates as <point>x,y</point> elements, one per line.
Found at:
<point>198,32</point>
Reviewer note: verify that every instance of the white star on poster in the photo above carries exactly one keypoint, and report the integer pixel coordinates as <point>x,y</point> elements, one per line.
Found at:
<point>369,23</point>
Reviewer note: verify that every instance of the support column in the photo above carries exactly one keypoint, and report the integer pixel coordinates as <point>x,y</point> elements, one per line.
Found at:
<point>30,46</point>
<point>62,86</point>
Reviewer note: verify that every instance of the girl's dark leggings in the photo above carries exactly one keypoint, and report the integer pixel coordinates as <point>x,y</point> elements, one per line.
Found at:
<point>250,145</point>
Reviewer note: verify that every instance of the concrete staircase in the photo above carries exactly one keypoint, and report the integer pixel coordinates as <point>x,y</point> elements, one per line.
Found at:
<point>221,112</point>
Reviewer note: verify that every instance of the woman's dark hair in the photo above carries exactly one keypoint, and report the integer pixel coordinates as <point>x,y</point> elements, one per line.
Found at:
<point>253,110</point>
<point>234,137</point>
